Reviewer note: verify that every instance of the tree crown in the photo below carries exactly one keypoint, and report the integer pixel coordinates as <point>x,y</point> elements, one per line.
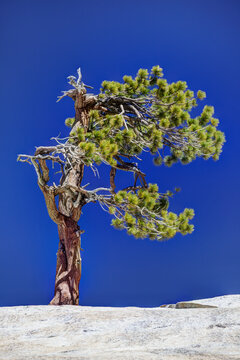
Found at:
<point>141,114</point>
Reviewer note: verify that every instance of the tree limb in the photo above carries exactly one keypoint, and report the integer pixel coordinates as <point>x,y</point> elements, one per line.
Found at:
<point>112,177</point>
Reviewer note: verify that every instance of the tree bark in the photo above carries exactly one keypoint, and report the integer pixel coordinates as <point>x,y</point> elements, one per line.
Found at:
<point>68,272</point>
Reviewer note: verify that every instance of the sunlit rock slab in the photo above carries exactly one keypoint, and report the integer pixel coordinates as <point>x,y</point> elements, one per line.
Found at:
<point>84,333</point>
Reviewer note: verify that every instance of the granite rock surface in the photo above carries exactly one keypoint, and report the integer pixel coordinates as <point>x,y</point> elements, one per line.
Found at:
<point>181,331</point>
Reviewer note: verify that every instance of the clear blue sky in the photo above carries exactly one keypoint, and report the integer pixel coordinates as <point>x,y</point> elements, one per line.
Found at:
<point>41,44</point>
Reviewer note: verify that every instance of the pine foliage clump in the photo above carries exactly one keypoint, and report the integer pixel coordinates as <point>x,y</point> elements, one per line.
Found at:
<point>145,114</point>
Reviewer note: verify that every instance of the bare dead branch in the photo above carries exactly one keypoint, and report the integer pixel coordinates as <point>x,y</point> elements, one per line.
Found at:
<point>45,170</point>
<point>49,195</point>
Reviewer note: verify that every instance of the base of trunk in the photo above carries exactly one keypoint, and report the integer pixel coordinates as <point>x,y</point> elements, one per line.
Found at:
<point>68,272</point>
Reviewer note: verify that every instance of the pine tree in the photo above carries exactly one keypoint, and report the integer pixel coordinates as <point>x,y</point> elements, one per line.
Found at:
<point>141,114</point>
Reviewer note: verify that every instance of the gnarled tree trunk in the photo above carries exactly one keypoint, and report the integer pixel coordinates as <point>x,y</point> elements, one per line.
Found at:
<point>68,272</point>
